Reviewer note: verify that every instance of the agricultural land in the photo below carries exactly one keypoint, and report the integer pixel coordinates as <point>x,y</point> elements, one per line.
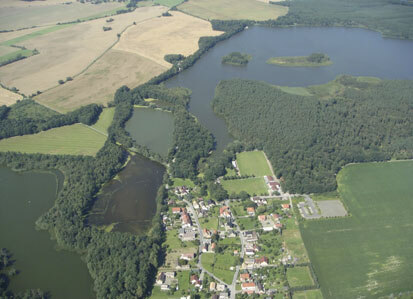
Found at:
<point>8,97</point>
<point>22,14</point>
<point>371,250</point>
<point>58,59</point>
<point>233,9</point>
<point>77,139</point>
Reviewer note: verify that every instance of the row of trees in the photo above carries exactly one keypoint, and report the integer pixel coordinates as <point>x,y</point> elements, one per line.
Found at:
<point>308,140</point>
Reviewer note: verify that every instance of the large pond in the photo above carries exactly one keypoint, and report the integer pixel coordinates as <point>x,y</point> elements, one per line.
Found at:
<point>152,128</point>
<point>353,51</point>
<point>23,198</point>
<point>127,203</point>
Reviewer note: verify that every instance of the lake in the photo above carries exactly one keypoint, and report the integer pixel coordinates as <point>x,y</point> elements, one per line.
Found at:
<point>24,197</point>
<point>356,52</point>
<point>127,203</point>
<point>152,128</point>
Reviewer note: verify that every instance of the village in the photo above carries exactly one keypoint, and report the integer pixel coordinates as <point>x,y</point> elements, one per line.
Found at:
<point>227,249</point>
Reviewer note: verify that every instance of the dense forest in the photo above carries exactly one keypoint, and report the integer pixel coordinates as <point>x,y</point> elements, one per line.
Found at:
<point>308,139</point>
<point>367,13</point>
<point>28,117</point>
<point>236,58</point>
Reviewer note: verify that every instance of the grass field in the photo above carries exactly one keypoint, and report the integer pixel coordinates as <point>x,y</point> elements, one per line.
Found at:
<point>182,182</point>
<point>219,265</point>
<point>169,3</point>
<point>253,163</point>
<point>294,242</point>
<point>310,294</point>
<point>23,53</point>
<point>210,223</point>
<point>299,276</point>
<point>177,34</point>
<point>76,139</point>
<point>59,59</point>
<point>251,186</point>
<point>233,9</point>
<point>18,16</point>
<point>370,251</point>
<point>8,97</point>
<point>237,209</point>
<point>105,120</point>
<point>30,109</point>
<point>248,223</point>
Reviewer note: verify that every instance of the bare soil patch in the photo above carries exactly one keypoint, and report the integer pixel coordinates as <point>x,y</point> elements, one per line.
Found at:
<point>8,97</point>
<point>177,34</point>
<point>331,208</point>
<point>99,83</point>
<point>66,52</point>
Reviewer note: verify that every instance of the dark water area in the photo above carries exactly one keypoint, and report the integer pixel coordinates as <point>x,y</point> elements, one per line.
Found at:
<point>355,52</point>
<point>127,203</point>
<point>152,128</point>
<point>24,197</point>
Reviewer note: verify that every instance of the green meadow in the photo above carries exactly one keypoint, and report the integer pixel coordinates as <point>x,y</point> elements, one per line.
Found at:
<point>253,163</point>
<point>251,186</point>
<point>370,253</point>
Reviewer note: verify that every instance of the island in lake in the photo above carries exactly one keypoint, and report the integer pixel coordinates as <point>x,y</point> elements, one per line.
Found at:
<point>236,58</point>
<point>315,59</point>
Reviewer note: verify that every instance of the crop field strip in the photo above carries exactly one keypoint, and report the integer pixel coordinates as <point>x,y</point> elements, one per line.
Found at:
<point>233,9</point>
<point>371,250</point>
<point>77,139</point>
<point>7,97</point>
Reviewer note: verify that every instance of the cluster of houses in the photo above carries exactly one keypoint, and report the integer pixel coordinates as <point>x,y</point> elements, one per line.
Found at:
<point>202,208</point>
<point>272,184</point>
<point>182,191</point>
<point>251,248</point>
<point>165,280</point>
<point>249,286</point>
<point>270,222</point>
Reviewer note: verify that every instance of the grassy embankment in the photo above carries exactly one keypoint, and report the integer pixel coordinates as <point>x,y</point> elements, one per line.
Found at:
<point>371,251</point>
<point>77,139</point>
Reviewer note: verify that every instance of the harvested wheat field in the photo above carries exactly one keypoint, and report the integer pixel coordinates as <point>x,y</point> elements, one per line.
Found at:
<point>24,14</point>
<point>99,83</point>
<point>67,52</point>
<point>233,9</point>
<point>177,34</point>
<point>8,97</point>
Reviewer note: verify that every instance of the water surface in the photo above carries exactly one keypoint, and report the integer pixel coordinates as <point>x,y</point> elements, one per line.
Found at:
<point>356,52</point>
<point>152,128</point>
<point>127,203</point>
<point>24,197</point>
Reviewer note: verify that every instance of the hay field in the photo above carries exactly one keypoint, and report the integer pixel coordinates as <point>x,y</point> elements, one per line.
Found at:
<point>68,51</point>
<point>99,83</point>
<point>153,39</point>
<point>253,163</point>
<point>233,9</point>
<point>15,15</point>
<point>7,97</point>
<point>370,253</point>
<point>77,139</point>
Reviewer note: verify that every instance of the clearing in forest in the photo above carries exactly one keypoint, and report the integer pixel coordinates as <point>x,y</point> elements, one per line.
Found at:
<point>253,163</point>
<point>8,97</point>
<point>176,34</point>
<point>59,58</point>
<point>233,9</point>
<point>371,250</point>
<point>77,139</point>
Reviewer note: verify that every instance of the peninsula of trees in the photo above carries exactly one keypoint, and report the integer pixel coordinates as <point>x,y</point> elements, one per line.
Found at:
<point>315,59</point>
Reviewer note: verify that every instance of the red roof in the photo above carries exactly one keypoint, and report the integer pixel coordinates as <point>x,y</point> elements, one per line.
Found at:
<point>262,217</point>
<point>176,210</point>
<point>245,275</point>
<point>248,285</point>
<point>250,209</point>
<point>261,260</point>
<point>285,206</point>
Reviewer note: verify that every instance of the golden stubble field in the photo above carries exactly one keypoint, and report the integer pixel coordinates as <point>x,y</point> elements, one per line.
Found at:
<point>233,9</point>
<point>66,52</point>
<point>99,83</point>
<point>7,97</point>
<point>137,57</point>
<point>153,39</point>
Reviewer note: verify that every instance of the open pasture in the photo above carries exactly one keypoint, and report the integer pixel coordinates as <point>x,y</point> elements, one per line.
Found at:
<point>368,254</point>
<point>177,34</point>
<point>309,294</point>
<point>8,97</point>
<point>299,276</point>
<point>77,139</point>
<point>18,16</point>
<point>233,9</point>
<point>251,186</point>
<point>253,163</point>
<point>100,82</point>
<point>67,52</point>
